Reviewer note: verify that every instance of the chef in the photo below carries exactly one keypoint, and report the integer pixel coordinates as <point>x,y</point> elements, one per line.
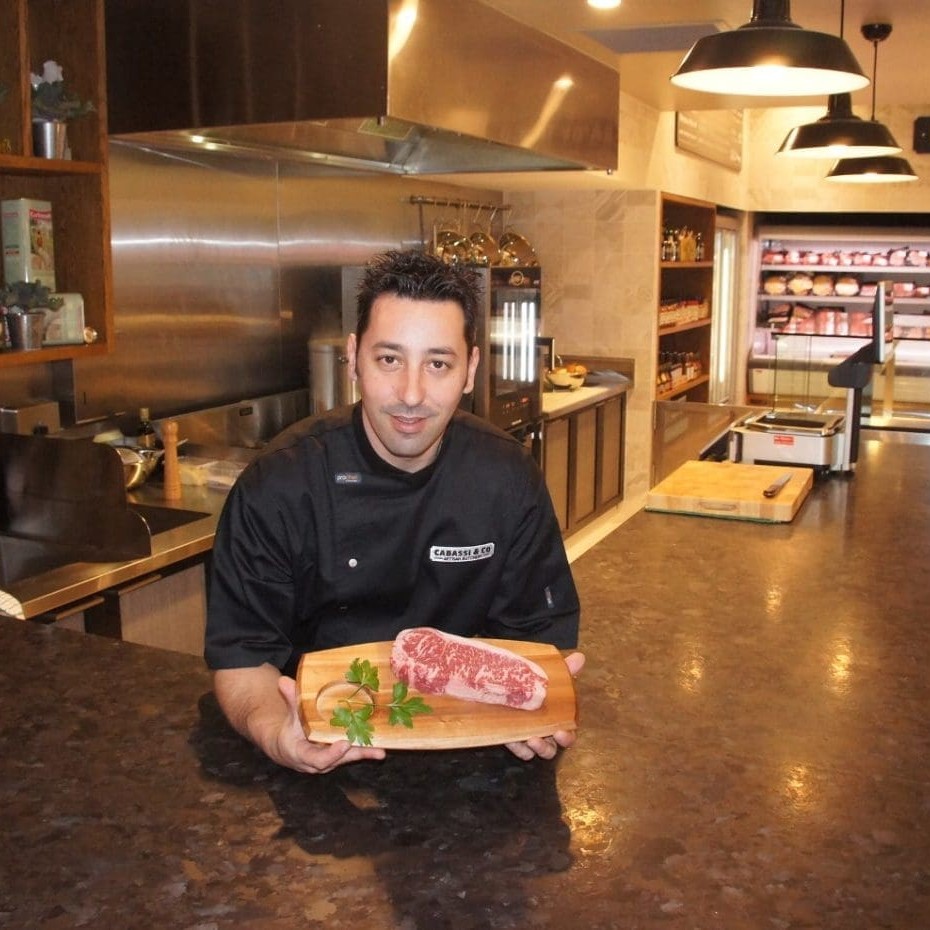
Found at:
<point>402,510</point>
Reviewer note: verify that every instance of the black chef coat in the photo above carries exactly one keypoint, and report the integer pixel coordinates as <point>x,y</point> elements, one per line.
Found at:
<point>322,543</point>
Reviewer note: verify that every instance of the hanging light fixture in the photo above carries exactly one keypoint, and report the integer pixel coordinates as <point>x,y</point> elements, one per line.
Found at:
<point>840,134</point>
<point>879,169</point>
<point>883,169</point>
<point>770,56</point>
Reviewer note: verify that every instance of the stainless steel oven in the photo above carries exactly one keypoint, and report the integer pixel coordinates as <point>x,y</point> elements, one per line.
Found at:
<point>508,389</point>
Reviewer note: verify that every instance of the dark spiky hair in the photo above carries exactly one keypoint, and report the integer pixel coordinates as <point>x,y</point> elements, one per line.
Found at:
<point>418,276</point>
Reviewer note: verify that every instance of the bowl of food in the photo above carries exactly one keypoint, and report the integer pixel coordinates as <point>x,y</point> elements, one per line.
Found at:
<point>567,376</point>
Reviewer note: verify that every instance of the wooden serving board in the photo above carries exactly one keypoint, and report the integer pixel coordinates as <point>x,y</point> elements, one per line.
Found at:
<point>732,490</point>
<point>454,723</point>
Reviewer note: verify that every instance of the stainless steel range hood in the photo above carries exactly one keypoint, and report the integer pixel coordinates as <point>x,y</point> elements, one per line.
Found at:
<point>408,86</point>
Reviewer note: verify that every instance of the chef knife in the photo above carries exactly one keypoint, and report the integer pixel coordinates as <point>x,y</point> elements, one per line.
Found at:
<point>777,485</point>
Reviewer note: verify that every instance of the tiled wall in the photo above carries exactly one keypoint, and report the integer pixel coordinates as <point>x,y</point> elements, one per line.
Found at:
<point>600,281</point>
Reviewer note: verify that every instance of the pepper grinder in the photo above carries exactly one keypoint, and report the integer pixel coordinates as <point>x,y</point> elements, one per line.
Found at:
<point>172,490</point>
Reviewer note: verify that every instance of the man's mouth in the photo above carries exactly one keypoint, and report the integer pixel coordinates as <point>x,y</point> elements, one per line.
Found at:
<point>406,422</point>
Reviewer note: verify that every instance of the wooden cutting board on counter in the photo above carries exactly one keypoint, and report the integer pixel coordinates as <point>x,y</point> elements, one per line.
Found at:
<point>453,723</point>
<point>732,490</point>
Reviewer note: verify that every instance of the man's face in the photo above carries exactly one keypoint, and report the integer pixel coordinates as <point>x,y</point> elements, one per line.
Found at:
<point>412,366</point>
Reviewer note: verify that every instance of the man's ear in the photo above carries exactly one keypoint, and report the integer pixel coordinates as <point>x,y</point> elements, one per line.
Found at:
<point>472,368</point>
<point>351,356</point>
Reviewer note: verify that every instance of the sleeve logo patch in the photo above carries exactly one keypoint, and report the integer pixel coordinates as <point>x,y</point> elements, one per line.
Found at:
<point>461,553</point>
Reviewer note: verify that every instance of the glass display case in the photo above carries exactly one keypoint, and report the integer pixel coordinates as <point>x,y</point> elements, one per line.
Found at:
<point>814,309</point>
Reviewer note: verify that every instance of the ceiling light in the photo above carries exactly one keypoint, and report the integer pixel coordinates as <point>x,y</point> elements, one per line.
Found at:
<point>885,169</point>
<point>882,169</point>
<point>604,4</point>
<point>839,134</point>
<point>770,56</point>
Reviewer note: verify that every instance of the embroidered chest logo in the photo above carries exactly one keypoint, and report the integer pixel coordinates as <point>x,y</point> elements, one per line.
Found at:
<point>348,477</point>
<point>461,553</point>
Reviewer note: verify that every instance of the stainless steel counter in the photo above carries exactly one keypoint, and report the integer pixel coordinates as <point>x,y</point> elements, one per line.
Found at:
<point>77,581</point>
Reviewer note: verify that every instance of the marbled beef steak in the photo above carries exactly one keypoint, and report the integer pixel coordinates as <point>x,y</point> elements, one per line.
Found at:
<point>434,662</point>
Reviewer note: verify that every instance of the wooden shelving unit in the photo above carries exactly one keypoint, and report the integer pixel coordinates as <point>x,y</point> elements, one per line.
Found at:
<point>687,281</point>
<point>71,33</point>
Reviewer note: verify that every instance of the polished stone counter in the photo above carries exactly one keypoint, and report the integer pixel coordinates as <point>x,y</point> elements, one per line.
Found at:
<point>754,753</point>
<point>560,403</point>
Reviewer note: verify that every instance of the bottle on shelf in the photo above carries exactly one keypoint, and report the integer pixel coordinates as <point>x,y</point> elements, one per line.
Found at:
<point>146,437</point>
<point>699,247</point>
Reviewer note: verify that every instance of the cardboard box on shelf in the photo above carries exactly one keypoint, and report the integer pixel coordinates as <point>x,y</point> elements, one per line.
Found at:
<point>28,241</point>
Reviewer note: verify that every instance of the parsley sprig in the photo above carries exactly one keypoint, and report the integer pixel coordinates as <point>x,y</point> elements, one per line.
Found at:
<point>354,716</point>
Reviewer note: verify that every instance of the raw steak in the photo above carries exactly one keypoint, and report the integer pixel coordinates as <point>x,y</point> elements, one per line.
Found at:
<point>442,663</point>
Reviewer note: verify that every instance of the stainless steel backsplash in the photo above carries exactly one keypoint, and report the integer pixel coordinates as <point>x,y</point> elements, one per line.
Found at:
<point>224,267</point>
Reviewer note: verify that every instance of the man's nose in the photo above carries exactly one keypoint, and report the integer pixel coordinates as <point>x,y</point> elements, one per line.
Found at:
<point>412,386</point>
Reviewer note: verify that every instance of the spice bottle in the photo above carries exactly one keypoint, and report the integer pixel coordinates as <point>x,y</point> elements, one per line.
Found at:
<point>146,438</point>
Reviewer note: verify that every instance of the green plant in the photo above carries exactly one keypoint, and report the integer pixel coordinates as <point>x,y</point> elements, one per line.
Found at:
<point>27,295</point>
<point>51,100</point>
<point>354,715</point>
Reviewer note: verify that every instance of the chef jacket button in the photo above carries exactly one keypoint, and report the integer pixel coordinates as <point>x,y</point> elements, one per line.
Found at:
<point>343,608</point>
<point>353,563</point>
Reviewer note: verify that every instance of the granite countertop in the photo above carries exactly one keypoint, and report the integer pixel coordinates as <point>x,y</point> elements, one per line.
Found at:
<point>753,752</point>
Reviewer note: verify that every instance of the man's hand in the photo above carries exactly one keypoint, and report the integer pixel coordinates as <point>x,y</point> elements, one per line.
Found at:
<point>546,747</point>
<point>261,704</point>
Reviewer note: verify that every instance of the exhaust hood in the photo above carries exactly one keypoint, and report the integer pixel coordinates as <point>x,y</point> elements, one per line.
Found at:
<point>406,86</point>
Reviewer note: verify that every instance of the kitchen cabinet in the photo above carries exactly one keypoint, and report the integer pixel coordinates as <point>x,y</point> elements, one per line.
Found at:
<point>686,280</point>
<point>31,32</point>
<point>816,287</point>
<point>583,461</point>
<point>166,609</point>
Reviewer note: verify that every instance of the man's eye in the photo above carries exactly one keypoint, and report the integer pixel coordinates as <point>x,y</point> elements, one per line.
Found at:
<point>389,360</point>
<point>437,364</point>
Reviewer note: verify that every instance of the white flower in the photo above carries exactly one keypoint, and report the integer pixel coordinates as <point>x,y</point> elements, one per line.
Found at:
<point>52,73</point>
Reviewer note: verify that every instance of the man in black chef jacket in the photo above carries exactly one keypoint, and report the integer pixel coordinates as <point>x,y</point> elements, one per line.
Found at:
<point>400,511</point>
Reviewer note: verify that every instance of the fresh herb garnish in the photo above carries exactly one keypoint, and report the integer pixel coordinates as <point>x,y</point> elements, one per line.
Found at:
<point>354,716</point>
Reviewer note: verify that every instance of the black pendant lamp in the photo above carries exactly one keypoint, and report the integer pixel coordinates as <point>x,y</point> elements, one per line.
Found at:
<point>883,169</point>
<point>770,56</point>
<point>839,134</point>
<point>878,169</point>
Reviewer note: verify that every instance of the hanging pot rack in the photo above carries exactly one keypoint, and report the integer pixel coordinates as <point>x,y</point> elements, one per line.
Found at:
<point>420,202</point>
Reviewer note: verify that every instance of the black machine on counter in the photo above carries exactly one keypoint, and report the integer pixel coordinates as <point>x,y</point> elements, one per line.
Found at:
<point>828,442</point>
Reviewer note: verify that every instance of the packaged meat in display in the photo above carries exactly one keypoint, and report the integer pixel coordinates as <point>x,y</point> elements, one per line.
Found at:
<point>917,257</point>
<point>441,663</point>
<point>822,285</point>
<point>903,289</point>
<point>846,286</point>
<point>777,316</point>
<point>800,284</point>
<point>897,257</point>
<point>775,284</point>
